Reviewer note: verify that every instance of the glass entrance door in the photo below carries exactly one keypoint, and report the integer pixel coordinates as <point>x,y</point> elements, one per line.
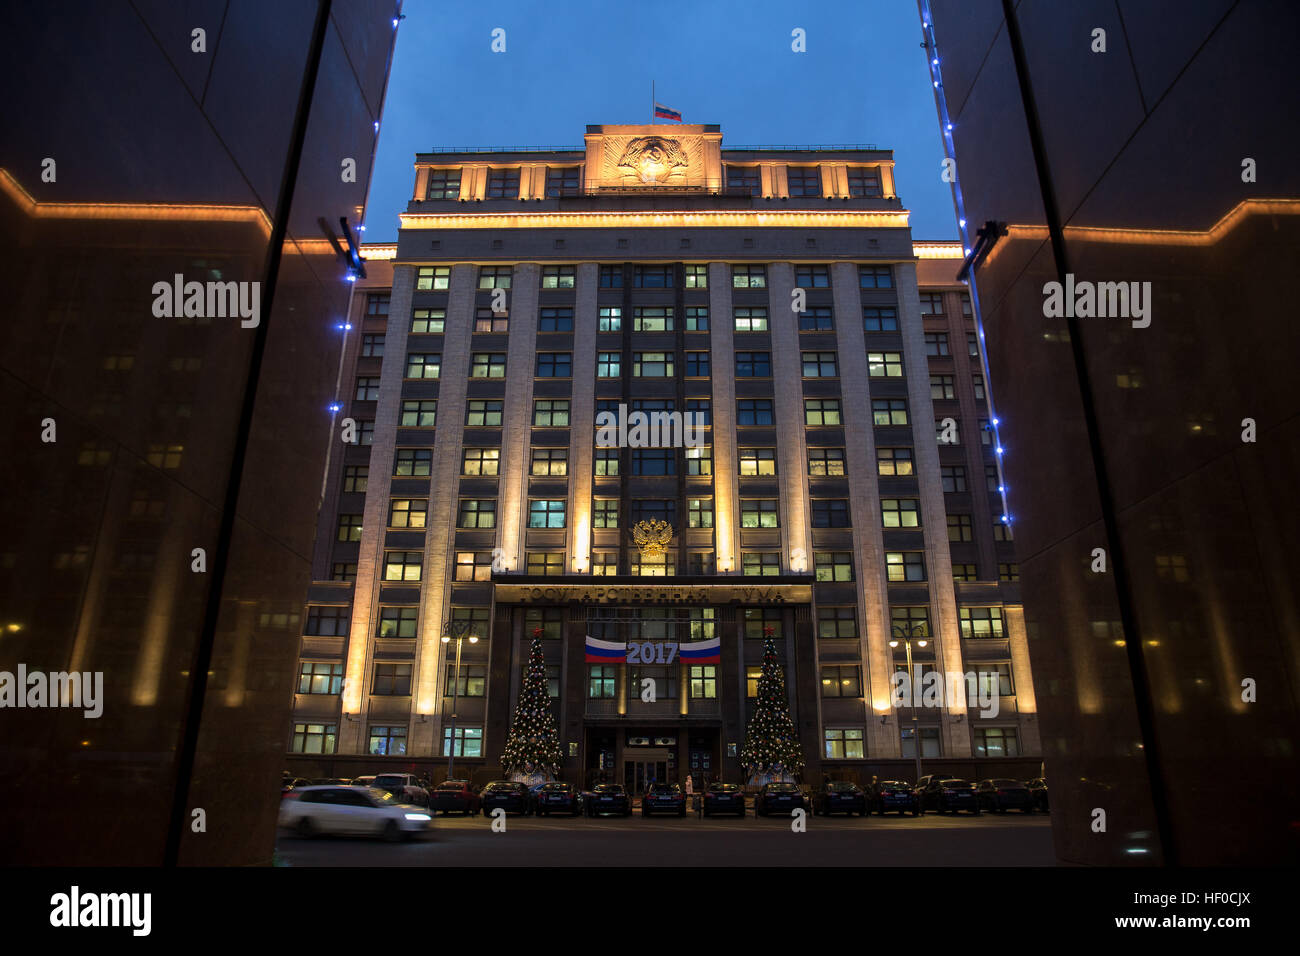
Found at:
<point>639,774</point>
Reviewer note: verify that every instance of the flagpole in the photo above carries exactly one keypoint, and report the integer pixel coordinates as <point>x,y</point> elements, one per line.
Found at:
<point>652,102</point>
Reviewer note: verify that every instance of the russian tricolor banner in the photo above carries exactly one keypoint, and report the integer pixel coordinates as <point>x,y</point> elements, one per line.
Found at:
<point>702,652</point>
<point>605,652</point>
<point>663,112</point>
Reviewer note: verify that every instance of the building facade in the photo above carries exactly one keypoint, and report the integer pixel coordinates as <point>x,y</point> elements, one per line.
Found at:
<point>490,477</point>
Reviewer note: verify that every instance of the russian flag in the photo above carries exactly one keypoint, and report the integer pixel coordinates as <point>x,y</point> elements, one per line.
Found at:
<point>605,652</point>
<point>663,112</point>
<point>702,652</point>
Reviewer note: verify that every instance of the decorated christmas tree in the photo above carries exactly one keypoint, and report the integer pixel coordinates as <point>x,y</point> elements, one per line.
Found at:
<point>771,742</point>
<point>533,746</point>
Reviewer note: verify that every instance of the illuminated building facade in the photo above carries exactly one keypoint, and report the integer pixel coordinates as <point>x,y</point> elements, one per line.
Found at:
<point>655,270</point>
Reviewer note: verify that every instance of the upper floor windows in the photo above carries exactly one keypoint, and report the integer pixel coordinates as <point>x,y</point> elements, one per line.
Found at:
<point>562,181</point>
<point>503,183</point>
<point>875,277</point>
<point>657,276</point>
<point>443,184</point>
<point>558,277</point>
<point>494,277</point>
<point>864,181</point>
<point>745,179</point>
<point>749,277</point>
<point>433,277</point>
<point>804,180</point>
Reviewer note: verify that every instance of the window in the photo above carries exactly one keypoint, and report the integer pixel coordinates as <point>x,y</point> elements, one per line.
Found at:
<point>314,738</point>
<point>864,181</point>
<point>704,681</point>
<point>900,512</point>
<point>697,365</point>
<point>959,528</point>
<point>977,382</point>
<point>879,320</point>
<point>436,278</point>
<point>991,478</point>
<point>889,411</point>
<point>972,346</point>
<point>503,183</point>
<point>830,513</point>
<point>608,365</point>
<point>821,411</point>
<point>418,413</point>
<point>754,411</point>
<point>654,462</point>
<point>932,303</point>
<point>481,461</point>
<point>910,621</point>
<point>610,319</point>
<point>403,565</point>
<point>875,277</point>
<point>365,437</point>
<point>702,411</point>
<point>344,571</point>
<point>654,565</point>
<point>551,413</point>
<point>842,681</point>
<point>699,512</point>
<point>894,462</point>
<point>757,620</point>
<point>554,365</point>
<point>412,463</point>
<point>356,478</point>
<point>472,681</point>
<point>964,572</point>
<point>905,566</point>
<point>604,513</point>
<point>844,744</point>
<point>428,321</point>
<point>981,622</point>
<point>461,741</point>
<point>554,320</point>
<point>443,184</point>
<point>803,180</point>
<point>965,304</point>
<point>558,277</point>
<point>699,461</point>
<point>372,345</point>
<point>611,277</point>
<point>996,742</point>
<point>749,277</point>
<point>483,414</point>
<point>953,478</point>
<point>986,432</point>
<point>474,565</point>
<point>652,319</point>
<point>760,564</point>
<point>606,463</point>
<point>601,681</point>
<point>885,364</point>
<point>549,619</point>
<point>697,276</point>
<point>477,513</point>
<point>349,528</point>
<point>753,364</point>
<point>751,319</point>
<point>423,365</point>
<point>697,318</point>
<point>327,621</point>
<point>407,512</point>
<point>936,344</point>
<point>367,389</point>
<point>377,304</point>
<point>652,277</point>
<point>760,513</point>
<point>995,679</point>
<point>546,513</point>
<point>549,462</point>
<point>757,462</point>
<point>319,677</point>
<point>942,388</point>
<point>752,676</point>
<point>1008,571</point>
<point>817,319</point>
<point>488,365</point>
<point>391,680</point>
<point>929,742</point>
<point>699,562</point>
<point>833,566</point>
<point>837,621</point>
<point>744,179</point>
<point>826,462</point>
<point>812,276</point>
<point>652,364</point>
<point>494,277</point>
<point>561,181</point>
<point>544,563</point>
<point>819,365</point>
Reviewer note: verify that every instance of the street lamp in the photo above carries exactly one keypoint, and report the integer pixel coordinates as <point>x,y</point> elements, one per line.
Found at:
<point>459,630</point>
<point>904,634</point>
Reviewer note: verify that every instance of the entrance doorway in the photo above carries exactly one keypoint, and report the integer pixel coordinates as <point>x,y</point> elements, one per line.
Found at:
<point>642,769</point>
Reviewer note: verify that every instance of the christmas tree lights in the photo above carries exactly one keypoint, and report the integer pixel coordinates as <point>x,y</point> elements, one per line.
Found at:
<point>533,745</point>
<point>771,741</point>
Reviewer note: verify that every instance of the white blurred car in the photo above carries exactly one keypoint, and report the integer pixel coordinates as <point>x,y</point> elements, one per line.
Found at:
<point>310,811</point>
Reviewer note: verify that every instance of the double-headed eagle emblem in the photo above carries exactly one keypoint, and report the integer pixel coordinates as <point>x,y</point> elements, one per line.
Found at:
<point>652,536</point>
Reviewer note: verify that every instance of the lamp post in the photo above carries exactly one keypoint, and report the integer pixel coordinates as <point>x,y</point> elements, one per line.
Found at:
<point>459,630</point>
<point>903,633</point>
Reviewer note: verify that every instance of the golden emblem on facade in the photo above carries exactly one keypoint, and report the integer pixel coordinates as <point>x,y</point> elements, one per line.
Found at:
<point>652,536</point>
<point>653,158</point>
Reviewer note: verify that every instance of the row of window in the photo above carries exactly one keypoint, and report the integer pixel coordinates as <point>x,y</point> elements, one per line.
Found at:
<point>653,276</point>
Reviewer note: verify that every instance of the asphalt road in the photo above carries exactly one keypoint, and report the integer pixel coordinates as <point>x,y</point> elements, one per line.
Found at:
<point>932,840</point>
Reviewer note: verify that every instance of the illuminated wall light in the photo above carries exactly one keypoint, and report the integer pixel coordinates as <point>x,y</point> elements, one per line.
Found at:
<point>962,223</point>
<point>336,407</point>
<point>376,126</point>
<point>999,449</point>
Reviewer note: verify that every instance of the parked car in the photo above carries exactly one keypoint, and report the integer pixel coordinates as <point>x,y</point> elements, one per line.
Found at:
<point>889,795</point>
<point>664,796</point>
<point>724,798</point>
<point>778,798</point>
<point>288,784</point>
<point>1002,794</point>
<point>509,795</point>
<point>1038,787</point>
<point>952,795</point>
<point>455,795</point>
<point>367,781</point>
<point>313,810</point>
<point>558,797</point>
<point>609,798</point>
<point>333,781</point>
<point>839,796</point>
<point>404,786</point>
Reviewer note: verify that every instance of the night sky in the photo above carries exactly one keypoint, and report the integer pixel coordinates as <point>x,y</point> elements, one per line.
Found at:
<point>573,62</point>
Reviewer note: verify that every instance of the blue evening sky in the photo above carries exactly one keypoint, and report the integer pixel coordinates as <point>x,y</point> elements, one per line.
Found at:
<point>568,63</point>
